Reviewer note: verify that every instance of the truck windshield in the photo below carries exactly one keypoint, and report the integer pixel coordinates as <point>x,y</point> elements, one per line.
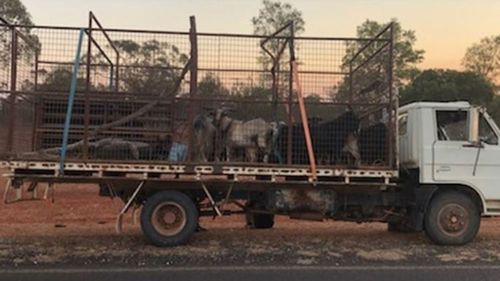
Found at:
<point>452,125</point>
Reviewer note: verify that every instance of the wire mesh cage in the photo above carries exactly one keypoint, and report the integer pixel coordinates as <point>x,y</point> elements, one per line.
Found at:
<point>192,97</point>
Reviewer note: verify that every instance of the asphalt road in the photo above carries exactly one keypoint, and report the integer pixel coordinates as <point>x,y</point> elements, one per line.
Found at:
<point>249,273</point>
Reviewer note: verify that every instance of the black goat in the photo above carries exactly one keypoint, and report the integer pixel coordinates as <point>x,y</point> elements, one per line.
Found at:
<point>299,148</point>
<point>333,141</point>
<point>373,144</point>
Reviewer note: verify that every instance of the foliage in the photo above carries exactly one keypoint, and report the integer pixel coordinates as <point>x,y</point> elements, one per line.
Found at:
<point>146,68</point>
<point>406,56</point>
<point>274,15</point>
<point>14,12</point>
<point>252,102</point>
<point>494,109</point>
<point>245,101</point>
<point>155,66</point>
<point>448,85</point>
<point>370,62</point>
<point>484,58</point>
<point>59,80</point>
<point>210,87</point>
<point>251,93</point>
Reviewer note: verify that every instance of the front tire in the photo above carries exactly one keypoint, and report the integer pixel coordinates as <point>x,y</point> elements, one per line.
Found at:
<point>452,218</point>
<point>169,218</point>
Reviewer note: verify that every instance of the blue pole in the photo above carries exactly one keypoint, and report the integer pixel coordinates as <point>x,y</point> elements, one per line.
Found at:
<point>71,99</point>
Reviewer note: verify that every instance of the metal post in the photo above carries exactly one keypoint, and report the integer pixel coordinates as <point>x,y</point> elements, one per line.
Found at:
<point>193,80</point>
<point>111,77</point>
<point>36,70</point>
<point>351,97</point>
<point>13,89</point>
<point>391,125</point>
<point>274,88</point>
<point>117,76</point>
<point>36,106</point>
<point>71,99</point>
<point>86,118</point>
<point>291,45</point>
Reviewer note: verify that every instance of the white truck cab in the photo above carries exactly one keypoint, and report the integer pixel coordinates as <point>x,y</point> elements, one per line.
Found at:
<point>454,148</point>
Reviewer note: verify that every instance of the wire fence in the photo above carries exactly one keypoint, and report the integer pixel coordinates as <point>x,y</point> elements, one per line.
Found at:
<point>196,97</point>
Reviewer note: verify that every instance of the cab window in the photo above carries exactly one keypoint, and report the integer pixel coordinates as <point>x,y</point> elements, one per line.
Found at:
<point>452,125</point>
<point>486,133</point>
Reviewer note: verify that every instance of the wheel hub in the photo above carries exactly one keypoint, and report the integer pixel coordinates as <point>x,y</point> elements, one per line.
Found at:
<point>169,218</point>
<point>453,219</point>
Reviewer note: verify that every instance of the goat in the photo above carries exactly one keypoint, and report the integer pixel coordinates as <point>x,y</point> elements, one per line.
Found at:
<point>336,138</point>
<point>299,149</point>
<point>373,144</point>
<point>252,136</point>
<point>351,148</point>
<point>332,140</point>
<point>203,137</point>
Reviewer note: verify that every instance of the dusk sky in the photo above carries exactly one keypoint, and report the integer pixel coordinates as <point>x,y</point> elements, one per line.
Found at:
<point>444,28</point>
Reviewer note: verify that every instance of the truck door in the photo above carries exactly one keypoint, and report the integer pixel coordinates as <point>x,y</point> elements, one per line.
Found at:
<point>458,160</point>
<point>453,156</point>
<point>486,173</point>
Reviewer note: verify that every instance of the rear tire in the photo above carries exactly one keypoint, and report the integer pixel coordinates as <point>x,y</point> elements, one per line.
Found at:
<point>452,218</point>
<point>169,218</point>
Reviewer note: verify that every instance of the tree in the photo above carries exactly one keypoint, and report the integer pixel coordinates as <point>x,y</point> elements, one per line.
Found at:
<point>275,15</point>
<point>152,65</point>
<point>369,62</point>
<point>210,87</point>
<point>146,68</point>
<point>484,58</point>
<point>252,101</point>
<point>406,56</point>
<point>15,12</point>
<point>449,85</point>
<point>59,80</point>
<point>494,109</point>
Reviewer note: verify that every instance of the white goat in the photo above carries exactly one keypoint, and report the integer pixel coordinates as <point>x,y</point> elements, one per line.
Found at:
<point>203,137</point>
<point>253,136</point>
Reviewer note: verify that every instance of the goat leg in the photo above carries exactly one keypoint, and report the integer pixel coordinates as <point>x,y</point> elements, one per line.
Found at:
<point>228,154</point>
<point>251,154</point>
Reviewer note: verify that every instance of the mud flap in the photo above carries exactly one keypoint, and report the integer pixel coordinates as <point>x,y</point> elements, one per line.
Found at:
<point>422,196</point>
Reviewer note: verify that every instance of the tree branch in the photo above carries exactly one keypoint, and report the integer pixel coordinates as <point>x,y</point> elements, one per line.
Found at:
<point>147,107</point>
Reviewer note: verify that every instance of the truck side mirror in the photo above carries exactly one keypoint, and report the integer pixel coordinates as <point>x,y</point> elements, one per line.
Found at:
<point>474,125</point>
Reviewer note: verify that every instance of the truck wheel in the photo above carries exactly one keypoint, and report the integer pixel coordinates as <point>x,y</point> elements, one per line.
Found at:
<point>260,221</point>
<point>169,218</point>
<point>452,218</point>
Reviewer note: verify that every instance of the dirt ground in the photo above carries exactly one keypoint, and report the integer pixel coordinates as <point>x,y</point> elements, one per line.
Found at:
<point>78,229</point>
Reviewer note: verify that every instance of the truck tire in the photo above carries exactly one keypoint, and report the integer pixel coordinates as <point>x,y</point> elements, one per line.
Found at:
<point>169,218</point>
<point>452,218</point>
<point>260,221</point>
